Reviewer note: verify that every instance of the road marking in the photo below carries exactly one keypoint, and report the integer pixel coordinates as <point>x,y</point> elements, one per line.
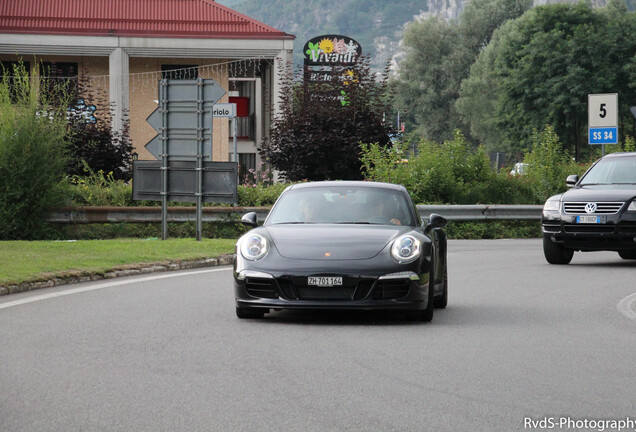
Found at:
<point>625,306</point>
<point>99,286</point>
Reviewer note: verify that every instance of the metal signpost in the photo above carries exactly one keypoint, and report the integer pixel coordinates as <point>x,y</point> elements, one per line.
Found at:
<point>184,171</point>
<point>602,111</point>
<point>219,181</point>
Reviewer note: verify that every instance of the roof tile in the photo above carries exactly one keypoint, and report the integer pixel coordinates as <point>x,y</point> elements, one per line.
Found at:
<point>149,18</point>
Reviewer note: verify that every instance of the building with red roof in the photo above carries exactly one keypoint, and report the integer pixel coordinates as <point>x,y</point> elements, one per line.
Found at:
<point>123,48</point>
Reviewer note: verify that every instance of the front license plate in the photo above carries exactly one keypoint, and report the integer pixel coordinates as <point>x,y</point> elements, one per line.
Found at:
<point>588,219</point>
<point>324,281</point>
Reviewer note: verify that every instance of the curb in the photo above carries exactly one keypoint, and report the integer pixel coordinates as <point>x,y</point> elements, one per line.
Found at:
<point>115,273</point>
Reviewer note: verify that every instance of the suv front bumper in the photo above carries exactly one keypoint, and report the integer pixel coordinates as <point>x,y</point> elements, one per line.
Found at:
<point>616,232</point>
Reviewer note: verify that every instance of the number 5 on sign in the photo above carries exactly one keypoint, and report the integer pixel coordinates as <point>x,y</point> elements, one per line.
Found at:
<point>602,110</point>
<point>602,118</point>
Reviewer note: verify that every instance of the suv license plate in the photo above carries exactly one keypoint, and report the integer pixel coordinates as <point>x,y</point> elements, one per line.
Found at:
<point>324,281</point>
<point>588,219</point>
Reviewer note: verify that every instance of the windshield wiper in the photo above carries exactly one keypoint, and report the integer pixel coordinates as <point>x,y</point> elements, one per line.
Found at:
<point>354,222</point>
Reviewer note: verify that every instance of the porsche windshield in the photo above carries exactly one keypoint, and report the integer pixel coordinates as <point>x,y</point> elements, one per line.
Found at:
<point>611,171</point>
<point>343,205</point>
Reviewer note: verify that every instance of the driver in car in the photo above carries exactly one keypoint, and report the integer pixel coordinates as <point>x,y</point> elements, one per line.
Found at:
<point>382,210</point>
<point>309,210</point>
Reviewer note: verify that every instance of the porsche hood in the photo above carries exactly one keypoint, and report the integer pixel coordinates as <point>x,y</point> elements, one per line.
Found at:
<point>333,242</point>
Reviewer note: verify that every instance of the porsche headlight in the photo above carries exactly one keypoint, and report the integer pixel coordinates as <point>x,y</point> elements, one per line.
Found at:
<point>406,249</point>
<point>254,247</point>
<point>553,204</point>
<point>632,206</point>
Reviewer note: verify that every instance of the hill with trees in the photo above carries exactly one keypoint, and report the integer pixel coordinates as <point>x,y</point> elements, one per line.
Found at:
<point>377,25</point>
<point>496,70</point>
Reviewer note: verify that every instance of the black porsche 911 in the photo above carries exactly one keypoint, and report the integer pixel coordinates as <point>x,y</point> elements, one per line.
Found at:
<point>598,213</point>
<point>342,245</point>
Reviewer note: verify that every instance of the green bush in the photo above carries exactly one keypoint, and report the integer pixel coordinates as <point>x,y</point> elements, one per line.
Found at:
<point>493,230</point>
<point>99,189</point>
<point>450,173</point>
<point>548,165</point>
<point>259,195</point>
<point>145,230</point>
<point>32,157</point>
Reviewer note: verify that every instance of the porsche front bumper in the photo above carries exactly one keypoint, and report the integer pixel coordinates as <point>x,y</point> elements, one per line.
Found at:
<point>391,290</point>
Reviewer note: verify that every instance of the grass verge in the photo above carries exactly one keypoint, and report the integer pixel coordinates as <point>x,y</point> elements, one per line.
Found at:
<point>24,261</point>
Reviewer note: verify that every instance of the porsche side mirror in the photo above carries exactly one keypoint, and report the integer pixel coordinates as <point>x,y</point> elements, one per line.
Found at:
<point>435,221</point>
<point>250,219</point>
<point>571,180</point>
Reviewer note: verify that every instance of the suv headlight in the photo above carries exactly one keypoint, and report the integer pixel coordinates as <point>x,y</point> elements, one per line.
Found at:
<point>254,246</point>
<point>552,205</point>
<point>632,206</point>
<point>406,249</point>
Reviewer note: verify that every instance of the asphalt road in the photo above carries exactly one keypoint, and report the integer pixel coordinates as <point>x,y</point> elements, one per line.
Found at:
<point>520,340</point>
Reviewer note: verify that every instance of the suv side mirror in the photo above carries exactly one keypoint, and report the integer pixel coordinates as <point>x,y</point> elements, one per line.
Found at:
<point>435,221</point>
<point>571,180</point>
<point>250,219</point>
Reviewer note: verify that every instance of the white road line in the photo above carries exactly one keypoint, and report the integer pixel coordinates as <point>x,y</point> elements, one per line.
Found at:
<point>625,306</point>
<point>99,286</point>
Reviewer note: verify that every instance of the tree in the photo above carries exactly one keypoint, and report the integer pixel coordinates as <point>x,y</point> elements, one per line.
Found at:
<point>481,18</point>
<point>477,98</point>
<point>439,57</point>
<point>93,145</point>
<point>548,164</point>
<point>621,31</point>
<point>321,125</point>
<point>539,69</point>
<point>428,81</point>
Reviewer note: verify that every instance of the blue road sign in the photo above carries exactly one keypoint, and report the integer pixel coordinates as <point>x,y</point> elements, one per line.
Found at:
<point>605,135</point>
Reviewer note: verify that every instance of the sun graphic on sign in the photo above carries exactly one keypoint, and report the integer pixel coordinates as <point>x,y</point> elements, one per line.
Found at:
<point>326,45</point>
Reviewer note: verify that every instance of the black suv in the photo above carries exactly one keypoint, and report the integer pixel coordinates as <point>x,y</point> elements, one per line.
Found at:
<point>597,213</point>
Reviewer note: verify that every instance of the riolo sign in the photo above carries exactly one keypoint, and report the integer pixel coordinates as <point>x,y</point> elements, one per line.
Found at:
<point>331,50</point>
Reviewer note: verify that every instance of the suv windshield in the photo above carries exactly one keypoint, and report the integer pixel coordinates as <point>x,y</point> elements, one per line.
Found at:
<point>613,170</point>
<point>344,205</point>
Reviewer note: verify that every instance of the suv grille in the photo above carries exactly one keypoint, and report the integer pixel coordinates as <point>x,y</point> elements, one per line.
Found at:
<point>601,207</point>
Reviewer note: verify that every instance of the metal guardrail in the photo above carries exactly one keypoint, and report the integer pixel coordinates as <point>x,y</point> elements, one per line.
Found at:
<point>482,212</point>
<point>89,215</point>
